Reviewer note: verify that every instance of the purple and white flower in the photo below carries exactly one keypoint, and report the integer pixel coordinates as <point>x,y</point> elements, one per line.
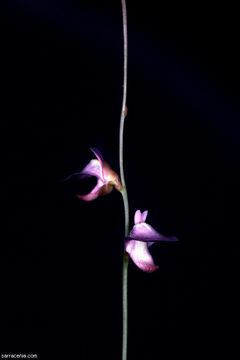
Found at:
<point>140,238</point>
<point>107,179</point>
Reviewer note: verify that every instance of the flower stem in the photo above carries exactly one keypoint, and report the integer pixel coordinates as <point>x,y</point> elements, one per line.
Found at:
<point>124,305</point>
<point>124,189</point>
<point>122,119</point>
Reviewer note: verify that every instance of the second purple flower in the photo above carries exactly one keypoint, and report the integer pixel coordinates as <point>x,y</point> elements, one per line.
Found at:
<point>140,238</point>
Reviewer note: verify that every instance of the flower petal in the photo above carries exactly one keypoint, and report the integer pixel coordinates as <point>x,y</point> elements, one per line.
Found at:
<point>97,154</point>
<point>144,215</point>
<point>137,217</point>
<point>140,217</point>
<point>140,255</point>
<point>94,168</point>
<point>145,232</point>
<point>103,163</point>
<point>77,175</point>
<point>94,193</point>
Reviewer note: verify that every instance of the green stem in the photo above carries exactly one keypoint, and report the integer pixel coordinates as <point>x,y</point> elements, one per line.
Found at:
<point>123,115</point>
<point>124,305</point>
<point>126,209</point>
<point>124,189</point>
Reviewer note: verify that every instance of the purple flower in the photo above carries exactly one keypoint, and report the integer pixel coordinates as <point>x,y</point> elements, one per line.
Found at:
<point>107,179</point>
<point>140,238</point>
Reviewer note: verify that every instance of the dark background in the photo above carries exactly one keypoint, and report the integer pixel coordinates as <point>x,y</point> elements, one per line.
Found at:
<point>61,259</point>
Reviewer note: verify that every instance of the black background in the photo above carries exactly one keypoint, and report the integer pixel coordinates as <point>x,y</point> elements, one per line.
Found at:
<point>61,259</point>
